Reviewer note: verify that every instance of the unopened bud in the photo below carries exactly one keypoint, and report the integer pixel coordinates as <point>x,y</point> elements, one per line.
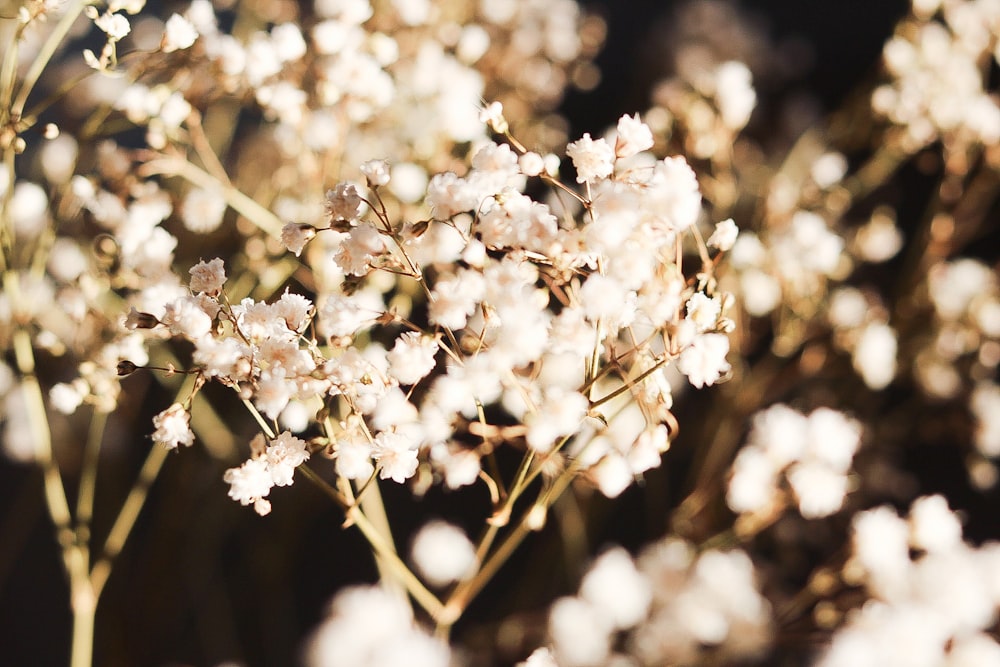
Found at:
<point>126,367</point>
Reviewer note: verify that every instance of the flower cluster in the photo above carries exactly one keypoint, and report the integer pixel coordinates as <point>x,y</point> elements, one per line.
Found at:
<point>547,320</point>
<point>934,597</point>
<point>813,452</point>
<point>670,605</point>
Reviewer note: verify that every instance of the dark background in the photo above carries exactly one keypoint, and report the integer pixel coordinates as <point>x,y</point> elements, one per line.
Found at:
<point>203,580</point>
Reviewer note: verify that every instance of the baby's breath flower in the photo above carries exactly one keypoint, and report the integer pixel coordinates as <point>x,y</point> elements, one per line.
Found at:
<point>724,236</point>
<point>734,94</point>
<point>703,311</point>
<point>208,277</point>
<point>396,455</point>
<point>172,427</point>
<point>531,164</point>
<point>492,115</point>
<point>357,251</point>
<point>284,455</point>
<point>442,553</point>
<point>376,172</point>
<point>343,202</point>
<point>295,236</point>
<point>634,136</point>
<point>704,360</point>
<point>202,210</point>
<point>593,160</point>
<point>412,357</point>
<point>178,33</point>
<point>250,483</point>
<point>115,26</point>
<point>66,397</point>
<point>184,317</point>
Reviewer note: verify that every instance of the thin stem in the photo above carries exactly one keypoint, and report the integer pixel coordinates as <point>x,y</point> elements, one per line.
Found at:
<point>264,426</point>
<point>56,38</point>
<point>134,502</point>
<point>88,474</point>
<point>427,600</point>
<point>383,550</point>
<point>127,516</point>
<point>241,203</point>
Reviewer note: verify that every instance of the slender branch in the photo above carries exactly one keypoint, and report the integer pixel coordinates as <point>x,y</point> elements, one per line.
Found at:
<point>45,54</point>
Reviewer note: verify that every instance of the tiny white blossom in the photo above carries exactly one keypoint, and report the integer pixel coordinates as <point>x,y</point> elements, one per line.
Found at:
<point>703,311</point>
<point>531,163</point>
<point>734,94</point>
<point>634,136</point>
<point>343,202</point>
<point>173,427</point>
<point>412,357</point>
<point>593,160</point>
<point>250,483</point>
<point>178,33</point>
<point>442,553</point>
<point>376,172</point>
<point>203,210</point>
<point>208,277</point>
<point>933,526</point>
<point>283,455</point>
<point>115,26</point>
<point>492,115</point>
<point>397,456</point>
<point>615,585</point>
<point>724,236</point>
<point>704,360</point>
<point>295,236</point>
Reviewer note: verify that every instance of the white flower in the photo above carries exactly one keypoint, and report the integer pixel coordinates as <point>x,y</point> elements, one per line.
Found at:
<point>202,210</point>
<point>208,277</point>
<point>581,633</point>
<point>178,33</point>
<point>734,94</point>
<point>819,490</point>
<point>115,26</point>
<point>634,136</point>
<point>874,356</point>
<point>442,553</point>
<point>531,163</point>
<point>295,236</point>
<point>593,160</point>
<point>185,318</point>
<point>615,586</point>
<point>371,626</point>
<point>881,545</point>
<point>357,251</point>
<point>724,236</point>
<point>703,311</point>
<point>397,456</point>
<point>66,397</point>
<point>492,115</point>
<point>250,482</point>
<point>704,360</point>
<point>376,172</point>
<point>559,414</point>
<point>283,456</point>
<point>412,357</point>
<point>353,455</point>
<point>343,202</point>
<point>933,526</point>
<point>753,486</point>
<point>172,427</point>
<point>673,195</point>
